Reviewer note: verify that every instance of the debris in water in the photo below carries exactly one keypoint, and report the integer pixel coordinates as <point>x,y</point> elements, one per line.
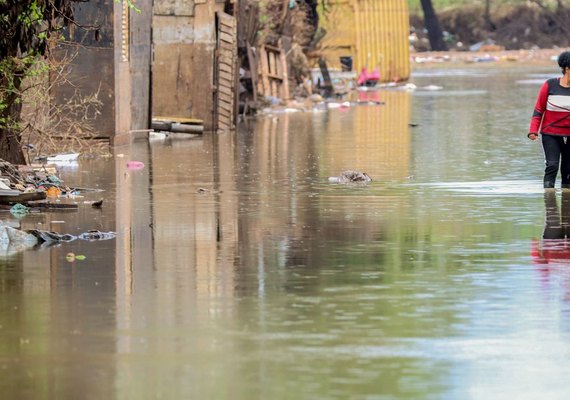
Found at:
<point>97,204</point>
<point>351,176</point>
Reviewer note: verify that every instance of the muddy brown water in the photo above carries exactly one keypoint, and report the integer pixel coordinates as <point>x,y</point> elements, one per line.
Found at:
<point>240,272</point>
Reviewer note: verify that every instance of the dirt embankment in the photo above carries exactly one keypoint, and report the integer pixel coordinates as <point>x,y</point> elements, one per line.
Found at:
<point>535,57</point>
<point>522,27</point>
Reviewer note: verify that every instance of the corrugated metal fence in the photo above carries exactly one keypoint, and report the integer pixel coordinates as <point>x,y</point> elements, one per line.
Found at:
<point>374,33</point>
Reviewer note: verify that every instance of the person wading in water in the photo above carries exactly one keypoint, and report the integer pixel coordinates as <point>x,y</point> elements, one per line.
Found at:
<point>551,118</point>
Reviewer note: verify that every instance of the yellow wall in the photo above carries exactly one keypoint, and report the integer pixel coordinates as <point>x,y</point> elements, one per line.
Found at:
<point>374,32</point>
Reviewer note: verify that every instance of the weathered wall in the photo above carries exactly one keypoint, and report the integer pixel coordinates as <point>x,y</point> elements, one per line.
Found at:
<point>184,40</point>
<point>132,54</point>
<point>92,56</point>
<point>110,49</point>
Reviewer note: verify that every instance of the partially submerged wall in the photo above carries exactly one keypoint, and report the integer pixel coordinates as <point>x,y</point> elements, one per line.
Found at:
<point>184,41</point>
<point>109,52</point>
<point>89,54</point>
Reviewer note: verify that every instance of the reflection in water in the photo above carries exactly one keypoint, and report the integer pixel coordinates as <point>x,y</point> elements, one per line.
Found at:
<point>240,272</point>
<point>555,244</point>
<point>552,253</point>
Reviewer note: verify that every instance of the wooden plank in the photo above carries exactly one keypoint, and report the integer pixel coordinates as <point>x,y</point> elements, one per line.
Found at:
<point>225,94</point>
<point>223,126</point>
<point>268,47</point>
<point>271,56</point>
<point>226,59</point>
<point>226,71</point>
<point>285,75</point>
<point>224,81</point>
<point>264,70</point>
<point>227,68</point>
<point>224,104</point>
<point>225,90</point>
<point>225,117</point>
<point>226,37</point>
<point>224,98</point>
<point>226,19</point>
<point>224,123</point>
<point>226,114</point>
<point>252,61</point>
<point>193,121</point>
<point>227,23</point>
<point>23,197</point>
<point>224,109</point>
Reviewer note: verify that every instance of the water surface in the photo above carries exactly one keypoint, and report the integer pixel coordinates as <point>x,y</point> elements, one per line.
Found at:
<point>240,272</point>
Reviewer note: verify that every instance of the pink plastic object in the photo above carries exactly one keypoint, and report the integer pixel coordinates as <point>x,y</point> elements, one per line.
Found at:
<point>134,165</point>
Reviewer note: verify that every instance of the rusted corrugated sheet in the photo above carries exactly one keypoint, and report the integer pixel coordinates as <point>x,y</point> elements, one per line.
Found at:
<point>373,32</point>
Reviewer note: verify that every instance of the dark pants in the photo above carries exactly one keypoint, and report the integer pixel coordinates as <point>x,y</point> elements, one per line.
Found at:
<point>557,222</point>
<point>557,156</point>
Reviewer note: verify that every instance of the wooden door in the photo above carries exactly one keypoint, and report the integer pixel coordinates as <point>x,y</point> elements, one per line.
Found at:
<point>225,72</point>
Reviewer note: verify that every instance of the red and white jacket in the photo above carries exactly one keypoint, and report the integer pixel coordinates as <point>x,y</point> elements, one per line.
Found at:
<point>551,114</point>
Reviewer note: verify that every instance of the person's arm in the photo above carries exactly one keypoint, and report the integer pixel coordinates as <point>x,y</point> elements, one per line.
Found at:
<point>538,112</point>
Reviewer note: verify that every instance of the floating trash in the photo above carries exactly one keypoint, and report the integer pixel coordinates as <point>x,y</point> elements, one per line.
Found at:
<point>135,165</point>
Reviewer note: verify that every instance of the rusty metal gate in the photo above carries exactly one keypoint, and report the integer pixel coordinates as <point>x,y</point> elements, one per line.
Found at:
<point>225,72</point>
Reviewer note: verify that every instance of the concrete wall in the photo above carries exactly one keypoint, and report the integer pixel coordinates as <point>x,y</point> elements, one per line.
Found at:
<point>110,49</point>
<point>132,53</point>
<point>184,40</point>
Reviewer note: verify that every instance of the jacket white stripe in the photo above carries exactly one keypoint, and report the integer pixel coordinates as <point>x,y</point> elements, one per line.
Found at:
<point>558,103</point>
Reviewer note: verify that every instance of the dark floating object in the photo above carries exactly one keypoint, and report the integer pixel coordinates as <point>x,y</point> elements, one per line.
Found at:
<point>202,190</point>
<point>97,204</point>
<point>351,176</point>
<point>413,124</point>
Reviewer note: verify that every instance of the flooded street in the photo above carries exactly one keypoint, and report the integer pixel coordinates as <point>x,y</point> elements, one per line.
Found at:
<point>240,272</point>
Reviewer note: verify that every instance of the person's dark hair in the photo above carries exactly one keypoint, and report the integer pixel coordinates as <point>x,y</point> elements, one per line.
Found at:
<point>564,60</point>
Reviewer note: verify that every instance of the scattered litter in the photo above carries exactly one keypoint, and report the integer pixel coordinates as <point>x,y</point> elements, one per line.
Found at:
<point>53,191</point>
<point>14,240</point>
<point>351,176</point>
<point>120,155</point>
<point>97,204</point>
<point>135,165</point>
<point>431,87</point>
<point>72,257</point>
<point>68,157</point>
<point>93,235</point>
<point>19,210</point>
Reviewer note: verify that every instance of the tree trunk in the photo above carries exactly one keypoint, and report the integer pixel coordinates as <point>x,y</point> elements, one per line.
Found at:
<point>431,22</point>
<point>488,21</point>
<point>10,148</point>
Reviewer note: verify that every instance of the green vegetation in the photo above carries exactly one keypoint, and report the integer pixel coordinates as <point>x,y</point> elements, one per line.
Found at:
<point>28,29</point>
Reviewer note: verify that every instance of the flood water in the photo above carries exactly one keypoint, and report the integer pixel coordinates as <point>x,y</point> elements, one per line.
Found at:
<point>240,272</point>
